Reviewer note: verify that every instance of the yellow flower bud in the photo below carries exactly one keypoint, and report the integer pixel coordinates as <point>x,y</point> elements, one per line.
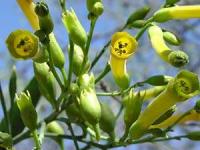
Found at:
<point>177,12</point>
<point>74,27</point>
<point>175,58</point>
<point>28,7</point>
<point>22,44</point>
<point>27,110</point>
<point>184,86</point>
<point>123,46</point>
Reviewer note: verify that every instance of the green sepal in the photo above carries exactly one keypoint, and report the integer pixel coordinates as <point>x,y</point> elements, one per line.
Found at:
<point>139,14</point>
<point>27,110</point>
<point>46,81</point>
<point>162,15</point>
<point>74,28</point>
<point>5,140</point>
<point>42,55</point>
<point>86,81</point>
<point>17,125</point>
<point>56,52</point>
<point>90,106</point>
<point>78,60</point>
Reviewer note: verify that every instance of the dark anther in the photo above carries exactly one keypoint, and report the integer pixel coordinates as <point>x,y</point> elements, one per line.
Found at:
<point>122,45</point>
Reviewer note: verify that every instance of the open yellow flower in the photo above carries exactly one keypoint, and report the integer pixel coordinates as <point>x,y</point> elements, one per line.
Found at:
<point>28,7</point>
<point>123,45</point>
<point>22,44</point>
<point>177,12</point>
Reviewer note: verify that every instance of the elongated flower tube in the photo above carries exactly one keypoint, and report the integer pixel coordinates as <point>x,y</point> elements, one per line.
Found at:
<point>184,86</point>
<point>27,110</point>
<point>123,45</point>
<point>22,44</point>
<point>177,12</point>
<point>175,58</point>
<point>74,28</point>
<point>28,7</point>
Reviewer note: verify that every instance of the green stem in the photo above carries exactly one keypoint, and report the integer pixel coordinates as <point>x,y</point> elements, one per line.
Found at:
<point>73,135</point>
<point>119,112</point>
<point>51,65</point>
<point>64,74</point>
<point>102,74</point>
<point>36,140</point>
<point>92,25</point>
<point>71,53</point>
<point>6,115</point>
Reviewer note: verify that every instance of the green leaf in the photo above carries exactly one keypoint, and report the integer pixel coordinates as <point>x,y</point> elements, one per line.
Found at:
<point>13,86</point>
<point>16,121</point>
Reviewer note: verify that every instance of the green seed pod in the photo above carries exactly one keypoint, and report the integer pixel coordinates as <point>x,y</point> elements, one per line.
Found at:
<point>171,38</point>
<point>90,109</point>
<point>197,106</point>
<point>74,28</point>
<point>184,86</point>
<point>5,140</point>
<point>86,81</point>
<point>166,115</point>
<point>22,44</point>
<point>27,110</point>
<point>78,61</point>
<point>46,82</point>
<point>57,53</point>
<point>107,121</point>
<point>95,7</point>
<point>138,14</point>
<point>45,21</point>
<point>195,135</point>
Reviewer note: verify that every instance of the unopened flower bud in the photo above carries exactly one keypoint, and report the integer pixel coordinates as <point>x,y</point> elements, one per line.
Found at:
<point>5,140</point>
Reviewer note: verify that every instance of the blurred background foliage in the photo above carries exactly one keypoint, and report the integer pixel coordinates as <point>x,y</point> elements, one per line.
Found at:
<point>144,64</point>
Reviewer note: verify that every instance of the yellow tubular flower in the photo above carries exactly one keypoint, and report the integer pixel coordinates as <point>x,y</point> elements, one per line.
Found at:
<point>27,7</point>
<point>123,45</point>
<point>175,58</point>
<point>177,12</point>
<point>22,44</point>
<point>184,86</point>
